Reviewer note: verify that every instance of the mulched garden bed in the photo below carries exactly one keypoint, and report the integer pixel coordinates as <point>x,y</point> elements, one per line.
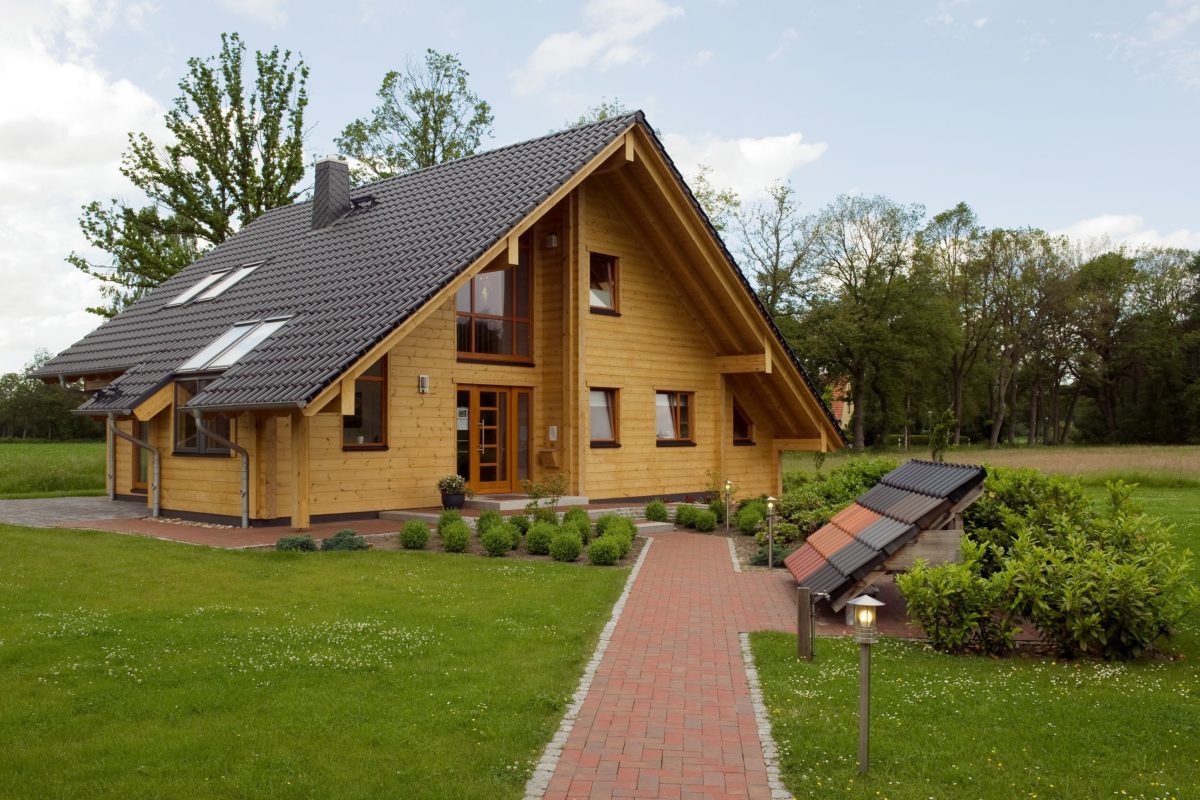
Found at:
<point>391,541</point>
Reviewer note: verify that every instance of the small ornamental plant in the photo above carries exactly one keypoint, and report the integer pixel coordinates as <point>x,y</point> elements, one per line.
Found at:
<point>448,516</point>
<point>414,535</point>
<point>685,515</point>
<point>488,520</point>
<point>605,551</point>
<point>496,541</point>
<point>455,537</point>
<point>537,541</point>
<point>704,520</point>
<point>452,484</point>
<point>299,543</point>
<point>345,539</point>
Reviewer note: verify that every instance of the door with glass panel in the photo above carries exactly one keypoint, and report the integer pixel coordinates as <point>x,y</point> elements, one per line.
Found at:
<point>493,431</point>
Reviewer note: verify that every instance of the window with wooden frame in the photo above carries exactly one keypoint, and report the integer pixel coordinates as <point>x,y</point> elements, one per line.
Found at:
<point>743,427</point>
<point>674,418</point>
<point>190,440</point>
<point>604,284</point>
<point>494,314</point>
<point>366,428</point>
<point>605,418</point>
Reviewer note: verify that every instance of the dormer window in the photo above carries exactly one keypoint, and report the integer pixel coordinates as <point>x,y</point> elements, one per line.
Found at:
<point>214,285</point>
<point>230,346</point>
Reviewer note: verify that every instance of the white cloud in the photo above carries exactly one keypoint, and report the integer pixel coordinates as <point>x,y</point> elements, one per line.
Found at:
<point>269,12</point>
<point>63,128</point>
<point>1129,229</point>
<point>1163,48</point>
<point>702,58</point>
<point>979,23</point>
<point>747,165</point>
<point>1176,22</point>
<point>786,37</point>
<point>610,30</point>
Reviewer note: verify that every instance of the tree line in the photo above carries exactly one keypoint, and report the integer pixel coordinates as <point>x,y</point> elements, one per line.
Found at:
<point>1012,334</point>
<point>1007,333</point>
<point>31,409</point>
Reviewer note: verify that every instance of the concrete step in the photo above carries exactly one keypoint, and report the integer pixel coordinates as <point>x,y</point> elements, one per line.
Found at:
<point>405,516</point>
<point>655,527</point>
<point>502,503</point>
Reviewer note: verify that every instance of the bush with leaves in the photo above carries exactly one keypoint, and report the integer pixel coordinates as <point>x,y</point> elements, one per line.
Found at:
<point>685,515</point>
<point>414,535</point>
<point>957,606</point>
<point>577,514</point>
<point>656,511</point>
<point>717,507</point>
<point>704,521</point>
<point>345,539</point>
<point>750,516</point>
<point>565,546</point>
<point>611,524</point>
<point>521,522</point>
<point>537,541</point>
<point>581,529</point>
<point>606,522</point>
<point>488,520</point>
<point>448,516</point>
<point>604,551</point>
<point>299,543</point>
<point>456,536</point>
<point>498,539</point>
<point>760,557</point>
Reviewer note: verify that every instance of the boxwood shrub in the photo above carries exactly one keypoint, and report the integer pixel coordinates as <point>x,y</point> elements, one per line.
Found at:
<point>414,535</point>
<point>455,537</point>
<point>448,516</point>
<point>577,514</point>
<point>537,541</point>
<point>685,515</point>
<point>497,540</point>
<point>582,529</point>
<point>704,520</point>
<point>656,511</point>
<point>565,546</point>
<point>604,551</point>
<point>487,520</point>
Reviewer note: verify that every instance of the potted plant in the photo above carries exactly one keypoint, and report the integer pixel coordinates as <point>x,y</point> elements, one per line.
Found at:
<point>454,491</point>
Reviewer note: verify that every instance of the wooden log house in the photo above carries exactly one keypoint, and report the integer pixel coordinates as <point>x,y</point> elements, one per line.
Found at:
<point>561,305</point>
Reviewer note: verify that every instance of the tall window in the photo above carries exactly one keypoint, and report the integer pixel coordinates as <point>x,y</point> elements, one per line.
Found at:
<point>188,438</point>
<point>366,429</point>
<point>495,316</point>
<point>603,284</point>
<point>743,428</point>
<point>673,418</point>
<point>605,418</point>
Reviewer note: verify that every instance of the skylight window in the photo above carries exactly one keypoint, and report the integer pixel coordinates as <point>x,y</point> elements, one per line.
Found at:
<point>197,288</point>
<point>231,278</point>
<point>230,346</point>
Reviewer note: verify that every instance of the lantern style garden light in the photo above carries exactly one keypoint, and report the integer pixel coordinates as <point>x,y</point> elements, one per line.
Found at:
<point>728,502</point>
<point>866,633</point>
<point>771,532</point>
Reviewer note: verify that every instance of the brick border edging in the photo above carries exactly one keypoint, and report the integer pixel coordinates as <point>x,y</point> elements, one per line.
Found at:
<point>535,787</point>
<point>737,566</point>
<point>769,749</point>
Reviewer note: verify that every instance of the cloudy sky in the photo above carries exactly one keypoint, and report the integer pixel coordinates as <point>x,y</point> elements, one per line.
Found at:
<point>1076,116</point>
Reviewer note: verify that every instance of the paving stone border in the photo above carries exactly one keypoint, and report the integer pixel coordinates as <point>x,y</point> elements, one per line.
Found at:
<point>737,566</point>
<point>535,787</point>
<point>770,751</point>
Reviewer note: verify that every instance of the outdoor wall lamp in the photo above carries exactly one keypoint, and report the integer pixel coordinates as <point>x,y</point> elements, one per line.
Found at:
<point>771,532</point>
<point>866,633</point>
<point>728,502</point>
<point>422,384</point>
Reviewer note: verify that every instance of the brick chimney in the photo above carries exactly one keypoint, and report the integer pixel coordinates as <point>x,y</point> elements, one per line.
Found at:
<point>331,196</point>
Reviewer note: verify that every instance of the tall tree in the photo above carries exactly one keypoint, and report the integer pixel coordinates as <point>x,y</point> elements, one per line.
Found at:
<point>605,109</point>
<point>236,151</point>
<point>776,242</point>
<point>427,115</point>
<point>720,203</point>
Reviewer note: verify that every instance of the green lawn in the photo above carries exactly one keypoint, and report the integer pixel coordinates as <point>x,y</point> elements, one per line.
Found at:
<point>51,469</point>
<point>138,668</point>
<point>959,726</point>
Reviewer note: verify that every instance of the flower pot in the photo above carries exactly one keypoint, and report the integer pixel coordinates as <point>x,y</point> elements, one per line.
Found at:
<point>453,500</point>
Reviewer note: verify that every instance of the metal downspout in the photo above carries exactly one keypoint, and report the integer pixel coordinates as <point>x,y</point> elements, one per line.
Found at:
<point>156,478</point>
<point>241,451</point>
<point>111,459</point>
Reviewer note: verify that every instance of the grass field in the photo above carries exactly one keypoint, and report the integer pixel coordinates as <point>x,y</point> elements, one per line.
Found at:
<point>51,469</point>
<point>137,668</point>
<point>959,726</point>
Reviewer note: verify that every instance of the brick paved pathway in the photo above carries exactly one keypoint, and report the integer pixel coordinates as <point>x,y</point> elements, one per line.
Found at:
<point>55,512</point>
<point>669,713</point>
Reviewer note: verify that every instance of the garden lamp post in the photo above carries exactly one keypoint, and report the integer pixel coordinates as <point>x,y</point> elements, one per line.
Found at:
<point>866,633</point>
<point>771,532</point>
<point>728,502</point>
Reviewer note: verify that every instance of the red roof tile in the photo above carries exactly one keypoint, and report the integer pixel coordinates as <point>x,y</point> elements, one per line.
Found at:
<point>805,561</point>
<point>854,518</point>
<point>829,540</point>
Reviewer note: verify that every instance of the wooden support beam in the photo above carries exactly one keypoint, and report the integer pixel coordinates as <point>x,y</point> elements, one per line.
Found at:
<point>747,362</point>
<point>514,249</point>
<point>300,476</point>
<point>155,403</point>
<point>799,445</point>
<point>266,466</point>
<point>936,547</point>
<point>347,403</point>
<point>630,151</point>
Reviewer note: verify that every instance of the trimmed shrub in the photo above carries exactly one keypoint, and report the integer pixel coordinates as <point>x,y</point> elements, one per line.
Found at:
<point>617,525</point>
<point>750,516</point>
<point>705,521</point>
<point>685,515</point>
<point>345,539</point>
<point>545,514</point>
<point>537,541</point>
<point>717,507</point>
<point>604,551</point>
<point>455,537</point>
<point>605,523</point>
<point>521,522</point>
<point>579,515</point>
<point>487,520</point>
<point>759,559</point>
<point>496,540</point>
<point>448,516</point>
<point>582,529</point>
<point>414,535</point>
<point>299,543</point>
<point>565,547</point>
<point>656,511</point>
<point>624,543</point>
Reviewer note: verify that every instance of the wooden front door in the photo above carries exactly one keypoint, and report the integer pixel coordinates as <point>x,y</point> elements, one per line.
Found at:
<point>141,458</point>
<point>493,430</point>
